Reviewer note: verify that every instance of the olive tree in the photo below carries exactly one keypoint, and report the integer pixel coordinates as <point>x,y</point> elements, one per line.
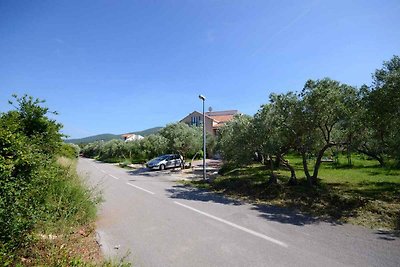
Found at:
<point>267,141</point>
<point>154,145</point>
<point>325,106</point>
<point>113,150</point>
<point>235,140</point>
<point>275,131</point>
<point>381,116</point>
<point>182,138</point>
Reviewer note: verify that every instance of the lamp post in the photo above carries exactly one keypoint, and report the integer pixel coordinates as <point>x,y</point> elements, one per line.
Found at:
<point>203,98</point>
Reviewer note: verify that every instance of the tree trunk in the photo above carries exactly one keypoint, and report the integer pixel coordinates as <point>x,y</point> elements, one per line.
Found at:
<point>277,161</point>
<point>305,167</point>
<point>378,157</point>
<point>349,156</point>
<point>318,162</point>
<point>272,179</point>
<point>260,157</point>
<point>293,178</point>
<point>381,161</point>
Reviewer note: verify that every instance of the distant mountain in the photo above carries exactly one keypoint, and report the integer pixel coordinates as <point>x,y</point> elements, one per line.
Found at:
<point>94,138</point>
<point>108,137</point>
<point>148,131</point>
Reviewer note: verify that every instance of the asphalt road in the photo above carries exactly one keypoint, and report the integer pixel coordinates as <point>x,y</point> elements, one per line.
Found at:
<point>154,221</point>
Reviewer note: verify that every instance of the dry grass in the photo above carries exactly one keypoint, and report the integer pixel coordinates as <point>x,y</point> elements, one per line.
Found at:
<point>76,247</point>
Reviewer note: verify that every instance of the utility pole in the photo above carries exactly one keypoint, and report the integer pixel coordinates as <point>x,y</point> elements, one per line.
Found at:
<point>203,98</point>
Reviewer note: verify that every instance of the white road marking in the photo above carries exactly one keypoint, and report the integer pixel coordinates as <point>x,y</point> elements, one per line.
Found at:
<point>147,191</point>
<point>235,226</point>
<point>113,176</point>
<point>102,171</point>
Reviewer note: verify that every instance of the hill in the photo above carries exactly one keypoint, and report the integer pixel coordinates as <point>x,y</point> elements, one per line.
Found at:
<point>94,138</point>
<point>148,131</point>
<point>108,137</point>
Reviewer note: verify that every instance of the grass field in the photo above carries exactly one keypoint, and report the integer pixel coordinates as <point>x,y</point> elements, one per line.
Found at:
<point>363,193</point>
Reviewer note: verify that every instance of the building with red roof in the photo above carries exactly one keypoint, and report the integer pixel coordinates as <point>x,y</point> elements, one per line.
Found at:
<point>213,119</point>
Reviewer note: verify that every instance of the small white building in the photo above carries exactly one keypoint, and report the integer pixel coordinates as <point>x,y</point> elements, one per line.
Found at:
<point>131,137</point>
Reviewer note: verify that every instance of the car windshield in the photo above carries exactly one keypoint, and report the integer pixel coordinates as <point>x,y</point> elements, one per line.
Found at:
<point>160,158</point>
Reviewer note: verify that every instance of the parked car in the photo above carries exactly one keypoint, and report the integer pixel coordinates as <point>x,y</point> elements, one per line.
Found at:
<point>166,161</point>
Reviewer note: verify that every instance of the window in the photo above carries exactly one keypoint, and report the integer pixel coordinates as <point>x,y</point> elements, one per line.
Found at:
<point>195,120</point>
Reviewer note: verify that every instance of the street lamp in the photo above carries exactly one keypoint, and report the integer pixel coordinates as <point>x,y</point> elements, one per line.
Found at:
<point>203,98</point>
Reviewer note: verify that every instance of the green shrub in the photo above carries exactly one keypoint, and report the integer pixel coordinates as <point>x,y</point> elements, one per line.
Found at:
<point>69,150</point>
<point>37,192</point>
<point>67,199</point>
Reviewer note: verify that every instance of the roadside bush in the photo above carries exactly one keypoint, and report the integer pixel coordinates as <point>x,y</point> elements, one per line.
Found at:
<point>114,149</point>
<point>69,150</point>
<point>36,191</point>
<point>92,150</point>
<point>68,200</point>
<point>21,160</point>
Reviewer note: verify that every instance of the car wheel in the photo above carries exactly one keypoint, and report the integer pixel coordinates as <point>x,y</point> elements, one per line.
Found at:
<point>162,167</point>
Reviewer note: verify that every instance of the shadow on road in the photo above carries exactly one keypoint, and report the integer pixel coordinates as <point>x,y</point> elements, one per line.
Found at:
<point>388,235</point>
<point>190,193</point>
<point>152,173</point>
<point>270,213</point>
<point>285,216</point>
<point>141,171</point>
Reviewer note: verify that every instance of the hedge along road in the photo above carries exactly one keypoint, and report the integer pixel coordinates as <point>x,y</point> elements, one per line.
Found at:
<point>154,221</point>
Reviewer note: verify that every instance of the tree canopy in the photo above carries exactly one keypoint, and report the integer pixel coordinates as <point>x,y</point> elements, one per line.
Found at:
<point>325,114</point>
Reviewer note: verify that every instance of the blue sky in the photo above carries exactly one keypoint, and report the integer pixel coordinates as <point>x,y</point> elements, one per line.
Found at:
<point>121,66</point>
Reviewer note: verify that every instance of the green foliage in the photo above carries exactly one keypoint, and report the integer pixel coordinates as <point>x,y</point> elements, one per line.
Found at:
<point>276,131</point>
<point>310,123</point>
<point>112,149</point>
<point>182,138</point>
<point>363,194</point>
<point>152,146</point>
<point>380,120</point>
<point>268,128</point>
<point>327,107</point>
<point>92,150</point>
<point>235,140</point>
<point>33,123</point>
<point>211,143</point>
<point>69,150</point>
<point>175,138</point>
<point>67,199</point>
<point>34,188</point>
<point>326,115</point>
<point>24,152</point>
